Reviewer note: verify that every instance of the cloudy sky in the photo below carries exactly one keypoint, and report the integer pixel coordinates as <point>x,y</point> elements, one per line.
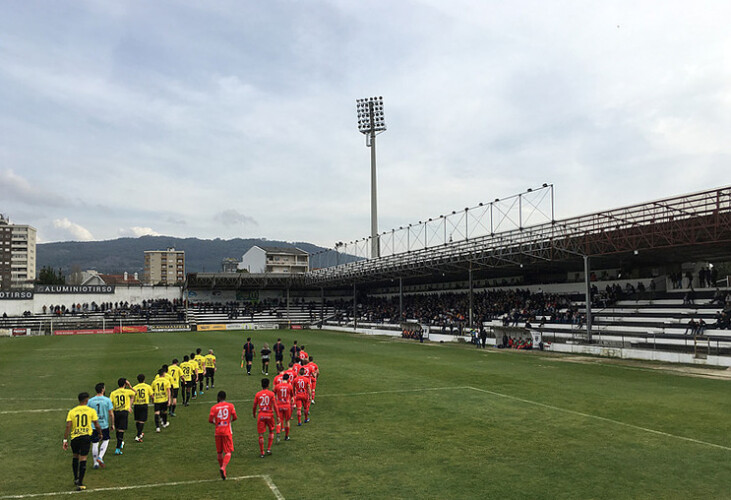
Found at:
<point>237,118</point>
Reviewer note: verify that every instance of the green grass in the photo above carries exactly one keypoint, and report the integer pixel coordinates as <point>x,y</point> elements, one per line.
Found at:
<point>393,419</point>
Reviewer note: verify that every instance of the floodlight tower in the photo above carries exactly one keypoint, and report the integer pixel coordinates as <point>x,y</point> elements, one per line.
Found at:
<point>371,122</point>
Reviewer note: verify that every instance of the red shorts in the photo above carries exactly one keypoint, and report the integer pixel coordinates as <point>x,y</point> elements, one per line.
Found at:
<point>303,401</point>
<point>285,413</point>
<point>224,443</point>
<point>313,383</point>
<point>265,420</point>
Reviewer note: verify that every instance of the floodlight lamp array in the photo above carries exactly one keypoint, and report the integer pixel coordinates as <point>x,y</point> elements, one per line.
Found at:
<point>370,115</point>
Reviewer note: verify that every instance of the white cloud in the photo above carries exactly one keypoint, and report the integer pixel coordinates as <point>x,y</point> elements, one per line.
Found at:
<point>136,231</point>
<point>16,188</point>
<point>232,217</point>
<point>75,231</point>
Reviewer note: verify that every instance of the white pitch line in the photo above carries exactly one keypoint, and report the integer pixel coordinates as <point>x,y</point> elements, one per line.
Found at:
<point>597,417</point>
<point>486,391</point>
<point>42,410</point>
<point>249,400</point>
<point>266,479</point>
<point>345,394</point>
<point>273,487</point>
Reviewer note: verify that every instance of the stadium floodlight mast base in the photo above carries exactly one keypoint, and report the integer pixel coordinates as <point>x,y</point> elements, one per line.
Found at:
<point>371,122</point>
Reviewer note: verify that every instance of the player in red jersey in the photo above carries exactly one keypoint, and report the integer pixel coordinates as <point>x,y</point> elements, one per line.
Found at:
<point>302,396</point>
<point>314,374</point>
<point>278,377</point>
<point>221,415</point>
<point>265,402</point>
<point>303,355</point>
<point>284,393</point>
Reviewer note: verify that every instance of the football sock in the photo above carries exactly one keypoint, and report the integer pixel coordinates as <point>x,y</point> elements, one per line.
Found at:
<point>271,438</point>
<point>157,420</point>
<point>140,426</point>
<point>172,408</point>
<point>299,416</point>
<point>226,460</point>
<point>75,466</point>
<point>220,459</point>
<point>164,417</point>
<point>212,382</point>
<point>103,449</point>
<point>261,444</point>
<point>120,437</point>
<point>286,431</point>
<point>95,451</point>
<point>82,471</point>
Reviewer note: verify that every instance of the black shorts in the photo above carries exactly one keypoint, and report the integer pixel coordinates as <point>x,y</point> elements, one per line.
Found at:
<point>174,392</point>
<point>120,420</point>
<point>95,435</point>
<point>200,376</point>
<point>265,360</point>
<point>279,357</point>
<point>190,383</point>
<point>81,445</point>
<point>249,357</point>
<point>140,413</point>
<point>161,406</point>
<point>210,372</point>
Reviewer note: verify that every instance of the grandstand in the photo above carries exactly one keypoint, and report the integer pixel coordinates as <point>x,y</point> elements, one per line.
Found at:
<point>622,263</point>
<point>642,245</point>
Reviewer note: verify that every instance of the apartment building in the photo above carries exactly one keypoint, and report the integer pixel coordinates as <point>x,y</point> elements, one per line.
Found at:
<point>275,260</point>
<point>164,267</point>
<point>17,255</point>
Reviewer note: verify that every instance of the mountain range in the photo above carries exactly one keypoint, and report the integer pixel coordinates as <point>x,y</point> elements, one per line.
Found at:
<point>127,254</point>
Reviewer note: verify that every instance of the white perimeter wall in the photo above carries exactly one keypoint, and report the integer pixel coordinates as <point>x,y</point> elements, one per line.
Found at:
<point>132,294</point>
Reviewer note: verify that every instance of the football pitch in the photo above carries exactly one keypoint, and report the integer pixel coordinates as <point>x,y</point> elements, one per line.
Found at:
<point>392,419</point>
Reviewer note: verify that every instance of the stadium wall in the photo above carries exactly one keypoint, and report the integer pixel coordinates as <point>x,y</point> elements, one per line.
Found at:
<point>643,354</point>
<point>134,294</point>
<point>433,337</point>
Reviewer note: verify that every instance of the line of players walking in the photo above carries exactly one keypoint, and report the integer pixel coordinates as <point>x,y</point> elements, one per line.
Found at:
<point>88,425</point>
<point>294,389</point>
<point>102,414</point>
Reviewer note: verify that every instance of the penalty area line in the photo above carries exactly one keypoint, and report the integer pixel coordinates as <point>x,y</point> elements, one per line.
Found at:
<point>267,479</point>
<point>603,419</point>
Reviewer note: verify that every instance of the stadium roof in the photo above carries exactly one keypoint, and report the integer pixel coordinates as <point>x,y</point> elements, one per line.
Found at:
<point>685,228</point>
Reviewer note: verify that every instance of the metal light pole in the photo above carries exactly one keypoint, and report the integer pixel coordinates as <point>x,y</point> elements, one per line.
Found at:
<point>371,122</point>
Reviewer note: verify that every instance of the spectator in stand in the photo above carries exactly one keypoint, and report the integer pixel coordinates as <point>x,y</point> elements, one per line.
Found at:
<point>689,276</point>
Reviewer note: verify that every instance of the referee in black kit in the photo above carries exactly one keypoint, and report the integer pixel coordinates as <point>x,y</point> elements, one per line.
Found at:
<point>248,354</point>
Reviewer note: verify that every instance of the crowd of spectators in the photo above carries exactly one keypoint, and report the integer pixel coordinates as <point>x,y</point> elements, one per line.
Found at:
<point>115,310</point>
<point>450,310</point>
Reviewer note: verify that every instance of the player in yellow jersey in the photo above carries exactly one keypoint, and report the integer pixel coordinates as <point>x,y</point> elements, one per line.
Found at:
<point>143,393</point>
<point>176,373</point>
<point>165,411</point>
<point>188,374</point>
<point>210,367</point>
<point>194,364</point>
<point>201,368</point>
<point>122,399</point>
<point>160,397</point>
<point>79,424</point>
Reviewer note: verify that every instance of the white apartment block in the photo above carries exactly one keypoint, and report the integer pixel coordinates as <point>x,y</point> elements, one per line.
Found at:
<point>166,267</point>
<point>275,260</point>
<point>17,255</point>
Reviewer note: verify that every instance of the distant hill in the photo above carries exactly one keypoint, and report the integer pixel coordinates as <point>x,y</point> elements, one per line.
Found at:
<point>127,254</point>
